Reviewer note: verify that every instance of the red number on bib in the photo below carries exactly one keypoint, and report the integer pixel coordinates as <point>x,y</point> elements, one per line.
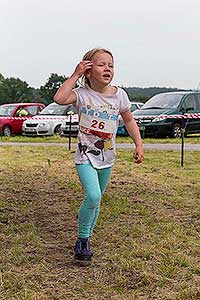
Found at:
<point>94,123</point>
<point>99,125</point>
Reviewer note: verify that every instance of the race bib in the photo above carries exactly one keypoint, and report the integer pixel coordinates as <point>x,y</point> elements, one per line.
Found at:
<point>98,121</point>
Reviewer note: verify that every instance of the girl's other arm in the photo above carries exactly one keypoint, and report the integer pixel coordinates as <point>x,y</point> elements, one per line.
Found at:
<point>134,132</point>
<point>65,95</point>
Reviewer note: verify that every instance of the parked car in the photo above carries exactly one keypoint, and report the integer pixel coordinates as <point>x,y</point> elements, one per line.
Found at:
<point>152,123</point>
<point>13,115</point>
<point>121,130</point>
<point>48,122</point>
<point>74,126</point>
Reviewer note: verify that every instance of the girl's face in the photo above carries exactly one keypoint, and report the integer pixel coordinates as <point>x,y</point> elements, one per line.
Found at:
<point>102,70</point>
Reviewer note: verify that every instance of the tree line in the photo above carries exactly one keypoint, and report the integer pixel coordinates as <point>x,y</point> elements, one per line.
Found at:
<point>143,94</point>
<point>14,90</point>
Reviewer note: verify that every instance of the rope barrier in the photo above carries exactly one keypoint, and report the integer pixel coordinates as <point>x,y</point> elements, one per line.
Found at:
<point>185,116</point>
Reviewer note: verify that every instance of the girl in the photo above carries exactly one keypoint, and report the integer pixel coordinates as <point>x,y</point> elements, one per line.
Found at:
<point>99,105</point>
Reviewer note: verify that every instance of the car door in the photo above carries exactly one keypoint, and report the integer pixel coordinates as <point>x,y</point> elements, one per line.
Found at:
<point>32,110</point>
<point>18,121</point>
<point>190,106</point>
<point>197,110</point>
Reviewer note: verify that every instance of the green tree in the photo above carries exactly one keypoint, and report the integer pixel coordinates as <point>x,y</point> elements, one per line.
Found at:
<point>1,77</point>
<point>1,88</point>
<point>13,90</point>
<point>138,98</point>
<point>48,90</point>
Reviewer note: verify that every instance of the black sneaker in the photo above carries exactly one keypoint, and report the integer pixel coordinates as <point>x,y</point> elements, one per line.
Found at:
<point>82,252</point>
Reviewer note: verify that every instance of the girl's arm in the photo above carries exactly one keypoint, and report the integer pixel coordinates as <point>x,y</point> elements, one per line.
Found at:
<point>134,132</point>
<point>65,95</point>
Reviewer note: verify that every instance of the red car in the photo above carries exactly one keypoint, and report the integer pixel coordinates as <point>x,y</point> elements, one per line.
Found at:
<point>12,116</point>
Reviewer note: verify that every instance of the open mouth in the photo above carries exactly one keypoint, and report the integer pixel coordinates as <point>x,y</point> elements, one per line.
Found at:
<point>106,75</point>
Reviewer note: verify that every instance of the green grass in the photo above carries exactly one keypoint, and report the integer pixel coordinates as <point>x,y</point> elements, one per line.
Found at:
<point>45,139</point>
<point>193,139</point>
<point>146,242</point>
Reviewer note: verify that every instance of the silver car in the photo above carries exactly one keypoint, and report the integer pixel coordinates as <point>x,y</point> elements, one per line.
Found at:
<point>70,124</point>
<point>48,122</point>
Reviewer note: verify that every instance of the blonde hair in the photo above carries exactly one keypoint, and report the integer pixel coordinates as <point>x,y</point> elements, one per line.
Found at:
<point>88,56</point>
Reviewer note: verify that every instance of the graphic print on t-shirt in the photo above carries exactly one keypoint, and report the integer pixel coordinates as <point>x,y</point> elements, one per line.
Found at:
<point>99,147</point>
<point>96,141</point>
<point>98,121</point>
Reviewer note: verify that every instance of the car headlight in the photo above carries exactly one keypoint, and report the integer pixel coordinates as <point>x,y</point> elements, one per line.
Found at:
<point>44,125</point>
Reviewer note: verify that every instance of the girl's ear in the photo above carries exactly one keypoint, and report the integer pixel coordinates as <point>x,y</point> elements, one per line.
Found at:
<point>87,74</point>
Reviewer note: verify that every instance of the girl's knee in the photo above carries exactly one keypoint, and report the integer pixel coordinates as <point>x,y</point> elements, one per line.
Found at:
<point>93,199</point>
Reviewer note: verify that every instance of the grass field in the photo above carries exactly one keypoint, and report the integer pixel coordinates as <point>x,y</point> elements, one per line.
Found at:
<point>191,139</point>
<point>146,244</point>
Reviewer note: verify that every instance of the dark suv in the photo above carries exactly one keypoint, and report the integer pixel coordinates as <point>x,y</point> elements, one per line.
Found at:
<point>152,117</point>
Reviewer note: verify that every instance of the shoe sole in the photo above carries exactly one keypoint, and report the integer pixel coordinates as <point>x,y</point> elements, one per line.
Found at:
<point>82,263</point>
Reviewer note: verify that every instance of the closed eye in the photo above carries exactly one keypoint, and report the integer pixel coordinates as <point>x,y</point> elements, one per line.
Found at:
<point>101,65</point>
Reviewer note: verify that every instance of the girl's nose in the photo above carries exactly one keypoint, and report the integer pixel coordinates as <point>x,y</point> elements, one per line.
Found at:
<point>107,68</point>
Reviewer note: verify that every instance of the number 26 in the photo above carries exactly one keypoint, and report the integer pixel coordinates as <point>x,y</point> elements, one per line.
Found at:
<point>96,124</point>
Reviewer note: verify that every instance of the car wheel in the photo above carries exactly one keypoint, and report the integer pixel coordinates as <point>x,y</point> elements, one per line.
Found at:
<point>176,130</point>
<point>6,131</point>
<point>57,130</point>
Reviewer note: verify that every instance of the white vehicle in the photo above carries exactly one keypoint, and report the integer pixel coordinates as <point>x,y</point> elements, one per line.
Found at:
<point>70,124</point>
<point>48,122</point>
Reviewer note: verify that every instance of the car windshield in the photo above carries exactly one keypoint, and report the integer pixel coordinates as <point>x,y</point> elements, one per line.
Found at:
<point>6,110</point>
<point>163,101</point>
<point>134,106</point>
<point>56,110</point>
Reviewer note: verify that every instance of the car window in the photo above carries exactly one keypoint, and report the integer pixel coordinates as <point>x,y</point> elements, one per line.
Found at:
<point>190,103</point>
<point>55,109</point>
<point>133,107</point>
<point>163,101</point>
<point>7,110</point>
<point>72,108</point>
<point>198,101</point>
<point>21,111</point>
<point>32,110</point>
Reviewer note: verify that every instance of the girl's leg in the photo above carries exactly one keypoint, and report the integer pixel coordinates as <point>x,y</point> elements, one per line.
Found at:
<point>90,182</point>
<point>103,176</point>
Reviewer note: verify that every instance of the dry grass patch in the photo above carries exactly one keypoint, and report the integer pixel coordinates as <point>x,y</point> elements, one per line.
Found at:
<point>146,242</point>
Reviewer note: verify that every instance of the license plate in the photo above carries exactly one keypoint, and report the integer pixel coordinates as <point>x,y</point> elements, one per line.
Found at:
<point>142,127</point>
<point>73,128</point>
<point>30,130</point>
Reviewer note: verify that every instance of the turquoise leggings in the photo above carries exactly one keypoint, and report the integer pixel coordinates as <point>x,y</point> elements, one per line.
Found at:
<point>94,182</point>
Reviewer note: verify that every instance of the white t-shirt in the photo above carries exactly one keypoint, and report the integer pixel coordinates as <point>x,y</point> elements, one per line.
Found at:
<point>98,122</point>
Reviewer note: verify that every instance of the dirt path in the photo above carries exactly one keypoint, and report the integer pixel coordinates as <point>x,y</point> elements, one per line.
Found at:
<point>159,146</point>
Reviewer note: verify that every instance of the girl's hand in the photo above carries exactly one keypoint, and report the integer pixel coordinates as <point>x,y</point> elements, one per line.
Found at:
<point>138,155</point>
<point>82,67</point>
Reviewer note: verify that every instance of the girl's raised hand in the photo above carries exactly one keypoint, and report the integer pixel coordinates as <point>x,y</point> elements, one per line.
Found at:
<point>82,67</point>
